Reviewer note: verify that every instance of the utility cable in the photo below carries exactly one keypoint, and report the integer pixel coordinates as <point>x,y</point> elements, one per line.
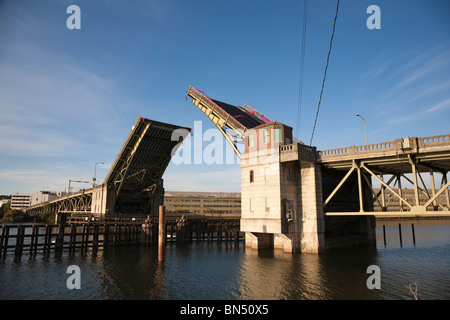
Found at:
<point>302,63</point>
<point>325,74</point>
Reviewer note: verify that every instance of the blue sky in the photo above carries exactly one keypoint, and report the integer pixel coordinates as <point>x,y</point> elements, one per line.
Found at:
<point>68,98</point>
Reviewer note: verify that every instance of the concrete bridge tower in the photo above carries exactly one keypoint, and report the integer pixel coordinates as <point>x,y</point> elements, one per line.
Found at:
<point>281,195</point>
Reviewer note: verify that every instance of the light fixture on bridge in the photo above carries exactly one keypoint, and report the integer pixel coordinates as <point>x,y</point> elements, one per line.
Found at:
<point>95,171</point>
<point>364,120</point>
<point>79,181</point>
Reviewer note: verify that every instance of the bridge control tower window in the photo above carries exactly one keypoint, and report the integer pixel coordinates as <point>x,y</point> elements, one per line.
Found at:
<point>266,136</point>
<point>252,176</point>
<point>251,141</point>
<point>278,135</point>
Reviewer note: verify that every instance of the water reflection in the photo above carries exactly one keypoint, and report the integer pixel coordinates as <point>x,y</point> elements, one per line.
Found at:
<point>129,273</point>
<point>278,275</point>
<point>226,271</point>
<point>427,233</point>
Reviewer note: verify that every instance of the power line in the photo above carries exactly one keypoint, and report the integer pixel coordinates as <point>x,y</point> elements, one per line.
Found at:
<point>302,63</point>
<point>325,74</point>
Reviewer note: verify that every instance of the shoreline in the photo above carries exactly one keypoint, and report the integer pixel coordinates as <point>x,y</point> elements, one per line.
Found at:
<point>412,218</point>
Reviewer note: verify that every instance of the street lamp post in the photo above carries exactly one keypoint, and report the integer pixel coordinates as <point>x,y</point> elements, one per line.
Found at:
<point>364,120</point>
<point>68,190</point>
<point>95,171</point>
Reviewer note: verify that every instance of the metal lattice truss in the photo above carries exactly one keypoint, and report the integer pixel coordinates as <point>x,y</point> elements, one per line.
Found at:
<point>139,166</point>
<point>418,162</point>
<point>231,121</point>
<point>135,176</point>
<point>76,204</point>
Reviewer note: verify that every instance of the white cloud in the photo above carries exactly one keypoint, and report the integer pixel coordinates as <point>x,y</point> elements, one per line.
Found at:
<point>432,90</point>
<point>23,141</point>
<point>51,106</point>
<point>27,180</point>
<point>439,106</point>
<point>429,63</point>
<point>55,118</point>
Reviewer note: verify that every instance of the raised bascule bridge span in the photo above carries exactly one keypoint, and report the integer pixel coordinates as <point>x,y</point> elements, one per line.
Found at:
<point>300,199</point>
<point>134,184</point>
<point>231,120</point>
<point>292,196</point>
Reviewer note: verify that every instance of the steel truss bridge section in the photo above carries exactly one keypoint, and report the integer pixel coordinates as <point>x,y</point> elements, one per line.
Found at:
<point>231,121</point>
<point>134,183</point>
<point>137,171</point>
<point>406,160</point>
<point>78,202</point>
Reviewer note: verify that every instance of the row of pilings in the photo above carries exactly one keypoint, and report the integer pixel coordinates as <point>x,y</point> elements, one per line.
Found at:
<point>34,238</point>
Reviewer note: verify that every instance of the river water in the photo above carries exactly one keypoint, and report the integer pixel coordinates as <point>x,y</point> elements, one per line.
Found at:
<point>230,272</point>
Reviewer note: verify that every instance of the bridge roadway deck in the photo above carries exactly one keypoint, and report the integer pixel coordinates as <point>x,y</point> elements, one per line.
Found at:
<point>401,159</point>
<point>430,153</point>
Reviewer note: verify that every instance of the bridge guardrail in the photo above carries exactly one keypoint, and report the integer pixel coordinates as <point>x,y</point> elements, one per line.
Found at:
<point>197,94</point>
<point>413,144</point>
<point>369,148</point>
<point>434,141</point>
<point>297,151</point>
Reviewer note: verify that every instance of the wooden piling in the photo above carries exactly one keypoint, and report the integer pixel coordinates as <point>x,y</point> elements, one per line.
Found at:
<point>105,234</point>
<point>48,238</point>
<point>95,237</point>
<point>116,234</point>
<point>82,235</point>
<point>19,240</point>
<point>34,239</point>
<point>384,234</point>
<point>413,234</point>
<point>161,233</point>
<point>400,233</point>
<point>2,236</point>
<point>60,239</point>
<point>5,235</point>
<point>72,237</point>
<point>219,233</point>
<point>172,233</point>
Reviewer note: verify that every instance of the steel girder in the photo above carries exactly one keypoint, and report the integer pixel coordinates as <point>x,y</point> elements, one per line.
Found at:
<point>415,206</point>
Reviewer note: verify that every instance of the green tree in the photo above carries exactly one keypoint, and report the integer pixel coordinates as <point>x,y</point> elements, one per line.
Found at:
<point>46,215</point>
<point>16,216</point>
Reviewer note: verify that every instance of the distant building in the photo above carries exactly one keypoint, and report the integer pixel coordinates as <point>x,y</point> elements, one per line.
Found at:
<point>202,203</point>
<point>42,196</point>
<point>24,200</point>
<point>20,201</point>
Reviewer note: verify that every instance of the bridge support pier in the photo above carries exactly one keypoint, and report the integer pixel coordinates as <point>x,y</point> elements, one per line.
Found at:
<point>282,194</point>
<point>297,222</point>
<point>282,205</point>
<point>259,240</point>
<point>312,226</point>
